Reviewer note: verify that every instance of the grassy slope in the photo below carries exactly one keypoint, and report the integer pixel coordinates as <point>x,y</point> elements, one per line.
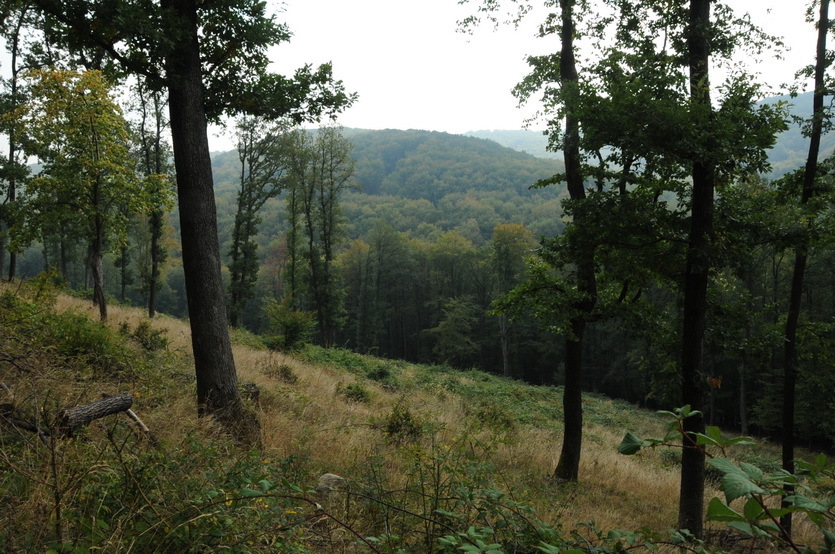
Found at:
<point>511,427</point>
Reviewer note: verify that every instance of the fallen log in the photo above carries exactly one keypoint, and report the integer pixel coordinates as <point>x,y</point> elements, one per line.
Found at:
<point>71,420</point>
<point>9,414</point>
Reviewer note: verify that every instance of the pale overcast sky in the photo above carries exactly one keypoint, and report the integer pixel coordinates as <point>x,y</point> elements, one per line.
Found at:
<point>413,70</point>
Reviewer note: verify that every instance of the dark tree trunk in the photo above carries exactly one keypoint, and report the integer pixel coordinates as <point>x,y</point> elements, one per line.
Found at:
<point>153,281</point>
<point>217,383</point>
<point>568,467</point>
<point>800,259</point>
<point>691,498</point>
<point>13,139</point>
<point>97,268</point>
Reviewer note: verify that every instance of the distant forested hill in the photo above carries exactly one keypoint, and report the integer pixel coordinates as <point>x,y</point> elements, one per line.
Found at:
<point>532,142</point>
<point>787,155</point>
<point>424,183</point>
<point>430,165</point>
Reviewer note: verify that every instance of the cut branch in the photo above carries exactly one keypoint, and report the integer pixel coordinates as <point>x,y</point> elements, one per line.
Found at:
<point>71,420</point>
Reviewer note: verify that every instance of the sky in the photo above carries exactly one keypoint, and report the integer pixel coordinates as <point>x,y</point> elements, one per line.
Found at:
<point>412,68</point>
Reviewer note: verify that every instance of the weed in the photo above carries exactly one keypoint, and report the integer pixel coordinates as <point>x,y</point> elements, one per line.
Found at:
<point>282,372</point>
<point>375,369</point>
<point>149,338</point>
<point>354,392</point>
<point>401,426</point>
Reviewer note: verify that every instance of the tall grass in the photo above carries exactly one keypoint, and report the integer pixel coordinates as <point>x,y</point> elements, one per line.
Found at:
<point>430,453</point>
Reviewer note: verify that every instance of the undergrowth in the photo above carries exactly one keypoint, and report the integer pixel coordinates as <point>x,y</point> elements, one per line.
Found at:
<point>442,460</point>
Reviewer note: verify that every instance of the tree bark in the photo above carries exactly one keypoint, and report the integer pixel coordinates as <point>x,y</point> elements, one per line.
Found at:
<point>217,383</point>
<point>13,139</point>
<point>71,420</point>
<point>800,260</point>
<point>697,270</point>
<point>568,467</point>
<point>97,268</point>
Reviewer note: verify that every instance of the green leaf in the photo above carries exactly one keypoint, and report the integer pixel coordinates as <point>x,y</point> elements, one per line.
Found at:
<point>630,444</point>
<point>740,441</point>
<point>735,482</point>
<point>735,485</point>
<point>748,529</point>
<point>753,511</point>
<point>806,504</point>
<point>752,471</point>
<point>265,485</point>
<point>248,493</point>
<point>713,436</point>
<point>719,511</point>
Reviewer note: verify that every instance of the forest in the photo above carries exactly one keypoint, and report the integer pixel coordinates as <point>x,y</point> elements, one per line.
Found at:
<point>666,241</point>
<point>434,228</point>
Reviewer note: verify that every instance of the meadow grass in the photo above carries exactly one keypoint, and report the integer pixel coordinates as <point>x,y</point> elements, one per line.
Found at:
<point>425,429</point>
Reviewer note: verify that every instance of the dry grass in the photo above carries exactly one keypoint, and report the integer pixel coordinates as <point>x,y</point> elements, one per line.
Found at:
<point>307,417</point>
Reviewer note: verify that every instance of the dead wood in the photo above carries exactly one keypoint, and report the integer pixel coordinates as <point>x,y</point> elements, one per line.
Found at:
<point>71,420</point>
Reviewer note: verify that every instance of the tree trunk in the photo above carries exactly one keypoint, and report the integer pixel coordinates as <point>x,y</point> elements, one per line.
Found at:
<point>800,259</point>
<point>691,496</point>
<point>568,467</point>
<point>153,282</point>
<point>217,383</point>
<point>504,339</point>
<point>743,400</point>
<point>13,140</point>
<point>97,269</point>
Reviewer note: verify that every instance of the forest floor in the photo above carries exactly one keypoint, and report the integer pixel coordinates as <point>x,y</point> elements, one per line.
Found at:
<point>429,455</point>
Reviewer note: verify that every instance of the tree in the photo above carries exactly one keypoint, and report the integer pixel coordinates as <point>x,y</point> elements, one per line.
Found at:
<point>453,335</point>
<point>77,130</point>
<point>14,170</point>
<point>801,254</point>
<point>154,159</point>
<point>696,276</point>
<point>510,246</point>
<point>262,167</point>
<point>211,58</point>
<point>630,115</point>
<point>319,170</point>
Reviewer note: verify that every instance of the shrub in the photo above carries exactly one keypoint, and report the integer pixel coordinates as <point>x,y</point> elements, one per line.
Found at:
<point>401,425</point>
<point>282,372</point>
<point>354,392</point>
<point>291,329</point>
<point>149,338</point>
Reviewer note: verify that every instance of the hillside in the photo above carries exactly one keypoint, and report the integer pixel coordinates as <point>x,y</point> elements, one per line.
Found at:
<point>789,152</point>
<point>425,452</point>
<point>424,182</point>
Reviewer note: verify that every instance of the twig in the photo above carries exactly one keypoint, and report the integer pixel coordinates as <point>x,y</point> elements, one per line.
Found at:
<point>131,414</point>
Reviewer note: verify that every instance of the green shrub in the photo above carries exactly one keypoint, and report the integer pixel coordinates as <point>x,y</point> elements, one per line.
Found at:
<point>401,425</point>
<point>354,392</point>
<point>382,371</point>
<point>289,329</point>
<point>282,372</point>
<point>149,338</point>
<point>90,345</point>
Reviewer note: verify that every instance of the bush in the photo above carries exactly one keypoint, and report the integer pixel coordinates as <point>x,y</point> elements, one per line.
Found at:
<point>282,372</point>
<point>149,338</point>
<point>354,392</point>
<point>290,329</point>
<point>401,425</point>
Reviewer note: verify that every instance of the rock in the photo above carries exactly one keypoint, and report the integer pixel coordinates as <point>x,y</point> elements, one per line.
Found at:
<point>328,482</point>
